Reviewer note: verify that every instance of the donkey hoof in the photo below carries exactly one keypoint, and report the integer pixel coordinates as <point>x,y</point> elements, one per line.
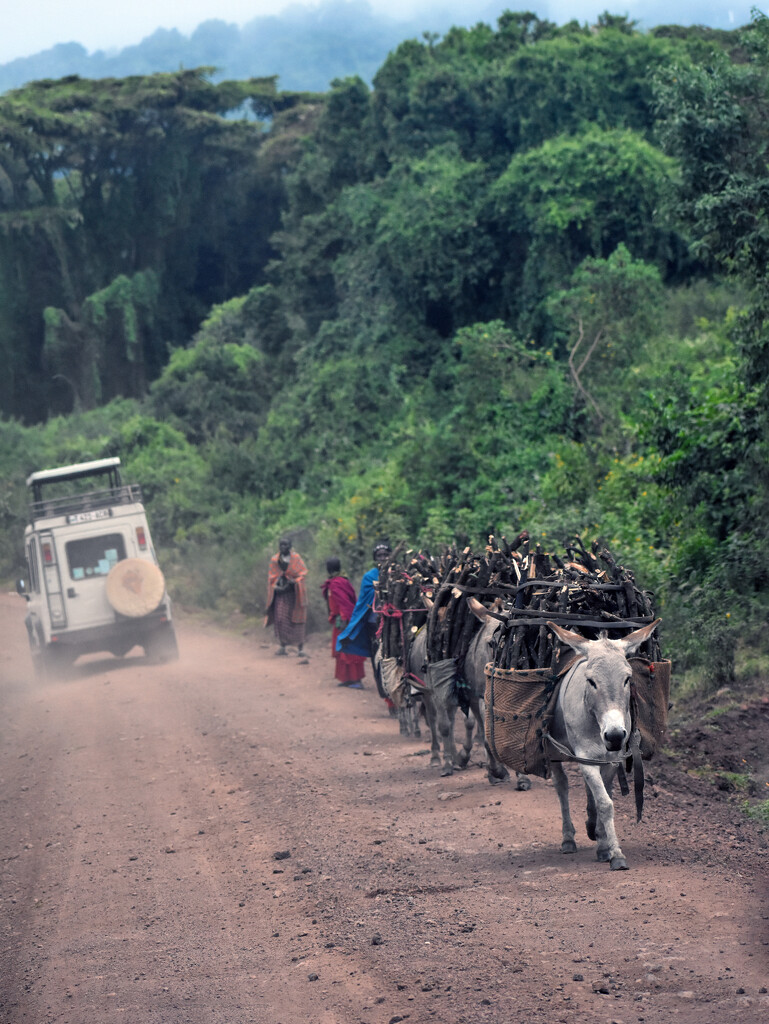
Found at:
<point>568,846</point>
<point>523,784</point>
<point>496,780</point>
<point>619,864</point>
<point>590,829</point>
<point>603,856</point>
<point>446,770</point>
<point>435,762</point>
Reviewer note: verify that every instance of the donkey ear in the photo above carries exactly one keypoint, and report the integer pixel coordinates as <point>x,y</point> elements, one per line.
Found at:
<point>574,640</point>
<point>479,610</point>
<point>634,640</point>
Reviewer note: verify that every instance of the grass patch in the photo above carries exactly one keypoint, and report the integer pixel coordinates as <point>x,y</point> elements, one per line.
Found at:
<point>704,771</point>
<point>721,710</point>
<point>751,664</point>
<point>738,782</point>
<point>758,811</point>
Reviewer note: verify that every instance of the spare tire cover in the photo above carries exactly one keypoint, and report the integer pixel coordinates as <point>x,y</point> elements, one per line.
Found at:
<point>135,587</point>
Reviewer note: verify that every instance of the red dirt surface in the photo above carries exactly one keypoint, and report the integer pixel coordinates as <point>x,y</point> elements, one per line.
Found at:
<point>143,809</point>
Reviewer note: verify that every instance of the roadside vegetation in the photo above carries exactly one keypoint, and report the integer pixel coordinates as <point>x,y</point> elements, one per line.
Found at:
<point>519,283</point>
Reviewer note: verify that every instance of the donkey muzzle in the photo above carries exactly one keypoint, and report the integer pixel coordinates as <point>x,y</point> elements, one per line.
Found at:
<point>614,737</point>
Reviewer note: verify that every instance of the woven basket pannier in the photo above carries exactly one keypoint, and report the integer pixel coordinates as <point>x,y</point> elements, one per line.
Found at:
<point>519,707</point>
<point>650,687</point>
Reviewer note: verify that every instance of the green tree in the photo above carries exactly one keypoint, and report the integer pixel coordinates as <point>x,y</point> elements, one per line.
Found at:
<point>104,353</point>
<point>605,317</point>
<point>576,197</point>
<point>219,385</point>
<point>473,438</point>
<point>420,230</point>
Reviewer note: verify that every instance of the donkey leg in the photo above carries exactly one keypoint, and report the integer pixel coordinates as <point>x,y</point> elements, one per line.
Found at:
<point>590,823</point>
<point>603,851</point>
<point>445,720</point>
<point>403,723</point>
<point>561,783</point>
<point>463,757</point>
<point>608,844</point>
<point>495,770</point>
<point>435,742</point>
<point>595,829</point>
<point>414,711</point>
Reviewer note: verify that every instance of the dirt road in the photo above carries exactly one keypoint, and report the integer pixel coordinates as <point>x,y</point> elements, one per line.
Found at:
<point>144,809</point>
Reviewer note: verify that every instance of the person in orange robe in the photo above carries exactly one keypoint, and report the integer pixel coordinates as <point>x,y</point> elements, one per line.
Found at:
<point>287,597</point>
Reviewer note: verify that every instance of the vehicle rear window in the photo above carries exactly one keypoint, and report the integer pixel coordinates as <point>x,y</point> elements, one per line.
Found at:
<point>94,556</point>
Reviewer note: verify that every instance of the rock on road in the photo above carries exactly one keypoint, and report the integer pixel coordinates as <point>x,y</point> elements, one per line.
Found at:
<point>143,808</point>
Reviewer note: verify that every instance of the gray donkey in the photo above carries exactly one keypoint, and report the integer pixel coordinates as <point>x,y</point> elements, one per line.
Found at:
<point>439,691</point>
<point>591,724</point>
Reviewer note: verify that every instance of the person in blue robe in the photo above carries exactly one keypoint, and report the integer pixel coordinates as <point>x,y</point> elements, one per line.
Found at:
<point>359,635</point>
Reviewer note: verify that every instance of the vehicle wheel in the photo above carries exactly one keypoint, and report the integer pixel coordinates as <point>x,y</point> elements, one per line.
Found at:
<point>162,647</point>
<point>52,664</point>
<point>38,665</point>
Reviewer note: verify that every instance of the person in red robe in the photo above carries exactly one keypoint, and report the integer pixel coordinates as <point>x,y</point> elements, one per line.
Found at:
<point>340,598</point>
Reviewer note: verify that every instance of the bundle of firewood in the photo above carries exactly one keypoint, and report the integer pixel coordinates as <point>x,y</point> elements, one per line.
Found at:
<point>493,573</point>
<point>403,580</point>
<point>445,580</point>
<point>586,591</point>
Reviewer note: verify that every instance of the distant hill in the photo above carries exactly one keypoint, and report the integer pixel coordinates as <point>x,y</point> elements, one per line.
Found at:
<point>306,47</point>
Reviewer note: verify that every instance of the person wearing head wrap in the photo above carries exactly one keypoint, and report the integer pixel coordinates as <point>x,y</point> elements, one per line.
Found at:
<point>359,636</point>
<point>340,599</point>
<point>287,597</point>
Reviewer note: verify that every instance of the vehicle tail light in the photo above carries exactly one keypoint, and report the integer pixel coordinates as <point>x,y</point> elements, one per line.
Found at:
<point>47,553</point>
<point>141,538</point>
<point>55,603</point>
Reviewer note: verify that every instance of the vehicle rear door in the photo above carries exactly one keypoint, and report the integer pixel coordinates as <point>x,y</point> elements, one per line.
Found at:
<point>87,555</point>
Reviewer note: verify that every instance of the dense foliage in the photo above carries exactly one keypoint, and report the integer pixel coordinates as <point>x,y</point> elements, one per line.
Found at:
<point>110,247</point>
<point>520,282</point>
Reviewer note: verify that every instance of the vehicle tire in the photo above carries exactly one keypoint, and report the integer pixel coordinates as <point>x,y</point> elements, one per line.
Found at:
<point>161,646</point>
<point>121,650</point>
<point>47,663</point>
<point>135,587</point>
<point>51,665</point>
<point>38,665</point>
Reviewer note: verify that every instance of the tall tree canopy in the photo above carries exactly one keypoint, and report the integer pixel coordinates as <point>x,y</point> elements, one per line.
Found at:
<point>111,194</point>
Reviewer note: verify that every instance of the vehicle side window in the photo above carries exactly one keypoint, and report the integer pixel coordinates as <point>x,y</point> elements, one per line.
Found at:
<point>34,577</point>
<point>94,556</point>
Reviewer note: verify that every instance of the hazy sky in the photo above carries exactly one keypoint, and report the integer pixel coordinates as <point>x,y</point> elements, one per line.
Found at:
<point>30,26</point>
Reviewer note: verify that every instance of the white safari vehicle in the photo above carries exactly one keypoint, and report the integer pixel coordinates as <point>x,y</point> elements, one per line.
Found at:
<point>94,582</point>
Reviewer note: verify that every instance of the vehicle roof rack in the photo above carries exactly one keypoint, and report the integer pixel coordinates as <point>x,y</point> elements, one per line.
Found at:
<point>73,472</point>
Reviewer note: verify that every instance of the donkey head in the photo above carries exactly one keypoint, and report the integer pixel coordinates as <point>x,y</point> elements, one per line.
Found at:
<point>605,677</point>
<point>489,617</point>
